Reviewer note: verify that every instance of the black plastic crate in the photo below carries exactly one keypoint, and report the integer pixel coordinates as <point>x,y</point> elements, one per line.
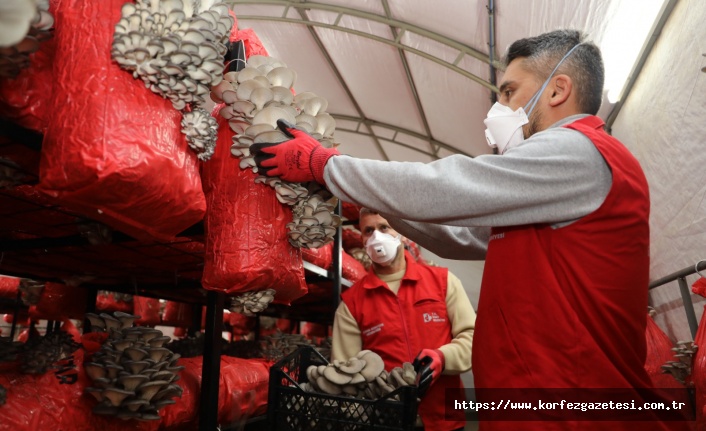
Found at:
<point>290,408</point>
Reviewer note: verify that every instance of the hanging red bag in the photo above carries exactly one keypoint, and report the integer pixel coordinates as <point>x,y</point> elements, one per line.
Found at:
<point>351,269</point>
<point>242,393</point>
<point>59,302</point>
<point>246,233</point>
<point>106,302</point>
<point>178,314</point>
<point>25,99</point>
<point>8,287</point>
<point>698,374</point>
<point>320,257</point>
<point>148,310</point>
<point>659,352</point>
<point>114,150</point>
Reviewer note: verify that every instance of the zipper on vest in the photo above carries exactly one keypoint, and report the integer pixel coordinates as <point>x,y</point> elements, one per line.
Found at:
<point>404,325</point>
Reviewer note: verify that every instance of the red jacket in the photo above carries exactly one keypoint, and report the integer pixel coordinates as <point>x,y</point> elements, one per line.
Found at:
<point>565,307</point>
<point>398,327</point>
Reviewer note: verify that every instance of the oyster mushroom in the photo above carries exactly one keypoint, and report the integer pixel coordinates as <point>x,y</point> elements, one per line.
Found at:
<point>116,396</point>
<point>374,365</point>
<point>130,382</point>
<point>332,374</point>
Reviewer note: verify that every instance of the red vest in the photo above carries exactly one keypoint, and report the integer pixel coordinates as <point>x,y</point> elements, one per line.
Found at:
<point>565,307</point>
<point>398,327</point>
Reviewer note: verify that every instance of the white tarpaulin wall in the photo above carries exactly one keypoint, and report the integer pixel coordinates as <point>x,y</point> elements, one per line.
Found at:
<point>409,80</point>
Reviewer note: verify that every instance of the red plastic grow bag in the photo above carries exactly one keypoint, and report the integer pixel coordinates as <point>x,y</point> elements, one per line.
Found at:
<point>113,150</point>
<point>246,233</point>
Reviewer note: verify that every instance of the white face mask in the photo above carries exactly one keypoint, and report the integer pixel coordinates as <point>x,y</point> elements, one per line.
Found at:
<point>504,127</point>
<point>382,248</point>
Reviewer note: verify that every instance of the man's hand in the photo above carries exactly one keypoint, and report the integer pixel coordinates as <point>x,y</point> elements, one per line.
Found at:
<point>298,160</point>
<point>428,364</point>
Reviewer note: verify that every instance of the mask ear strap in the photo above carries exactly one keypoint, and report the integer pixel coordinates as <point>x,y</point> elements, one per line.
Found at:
<point>533,101</point>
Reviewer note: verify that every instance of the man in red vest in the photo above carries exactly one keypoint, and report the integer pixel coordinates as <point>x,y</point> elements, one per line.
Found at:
<point>407,311</point>
<point>560,215</point>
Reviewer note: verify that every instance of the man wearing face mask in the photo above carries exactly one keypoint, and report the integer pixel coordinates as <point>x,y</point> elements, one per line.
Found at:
<point>408,312</point>
<point>560,215</point>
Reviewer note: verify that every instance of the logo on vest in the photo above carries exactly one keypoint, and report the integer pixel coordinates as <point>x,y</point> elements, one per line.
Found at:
<point>373,329</point>
<point>432,317</point>
<point>496,236</point>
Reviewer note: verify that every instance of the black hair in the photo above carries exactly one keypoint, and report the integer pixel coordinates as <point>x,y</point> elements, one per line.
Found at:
<point>584,65</point>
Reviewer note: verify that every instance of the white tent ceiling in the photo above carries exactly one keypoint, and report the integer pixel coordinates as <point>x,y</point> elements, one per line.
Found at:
<point>410,80</point>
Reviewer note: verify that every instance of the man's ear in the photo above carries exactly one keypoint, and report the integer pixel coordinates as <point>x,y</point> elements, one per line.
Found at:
<point>562,86</point>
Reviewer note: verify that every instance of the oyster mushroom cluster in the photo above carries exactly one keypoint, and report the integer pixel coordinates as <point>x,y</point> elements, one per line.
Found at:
<point>177,48</point>
<point>200,129</point>
<point>313,222</point>
<point>255,98</point>
<point>24,24</point>
<point>133,374</point>
<point>31,290</point>
<point>41,353</point>
<point>362,376</point>
<point>681,368</point>
<point>251,303</point>
<point>277,346</point>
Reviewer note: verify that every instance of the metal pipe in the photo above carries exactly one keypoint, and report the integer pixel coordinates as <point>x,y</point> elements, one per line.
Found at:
<point>700,266</point>
<point>491,50</point>
<point>211,369</point>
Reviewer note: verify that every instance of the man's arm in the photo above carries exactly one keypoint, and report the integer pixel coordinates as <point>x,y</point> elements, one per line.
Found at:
<point>450,242</point>
<point>462,317</point>
<point>555,176</point>
<point>347,341</point>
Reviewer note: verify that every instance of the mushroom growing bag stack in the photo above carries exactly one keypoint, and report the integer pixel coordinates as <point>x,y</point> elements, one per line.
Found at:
<point>246,233</point>
<point>114,150</point>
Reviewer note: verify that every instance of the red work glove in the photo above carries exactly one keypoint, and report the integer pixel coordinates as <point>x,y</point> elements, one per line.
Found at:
<point>299,160</point>
<point>428,364</point>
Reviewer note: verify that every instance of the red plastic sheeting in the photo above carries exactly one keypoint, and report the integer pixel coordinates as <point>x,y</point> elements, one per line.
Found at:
<point>699,287</point>
<point>316,330</point>
<point>181,314</point>
<point>659,351</point>
<point>56,400</point>
<point>116,154</point>
<point>240,323</point>
<point>25,99</point>
<point>351,269</point>
<point>351,238</point>
<point>148,309</point>
<point>698,375</point>
<point>246,234</point>
<point>8,287</point>
<point>59,302</point>
<point>106,302</point>
<point>253,45</point>
<point>242,392</point>
<point>350,211</point>
<point>320,257</point>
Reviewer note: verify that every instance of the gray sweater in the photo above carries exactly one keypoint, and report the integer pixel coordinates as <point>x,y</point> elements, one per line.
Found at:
<point>448,206</point>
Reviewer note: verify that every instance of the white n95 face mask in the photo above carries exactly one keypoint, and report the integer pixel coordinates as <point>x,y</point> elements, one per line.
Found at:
<point>382,248</point>
<point>504,127</point>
